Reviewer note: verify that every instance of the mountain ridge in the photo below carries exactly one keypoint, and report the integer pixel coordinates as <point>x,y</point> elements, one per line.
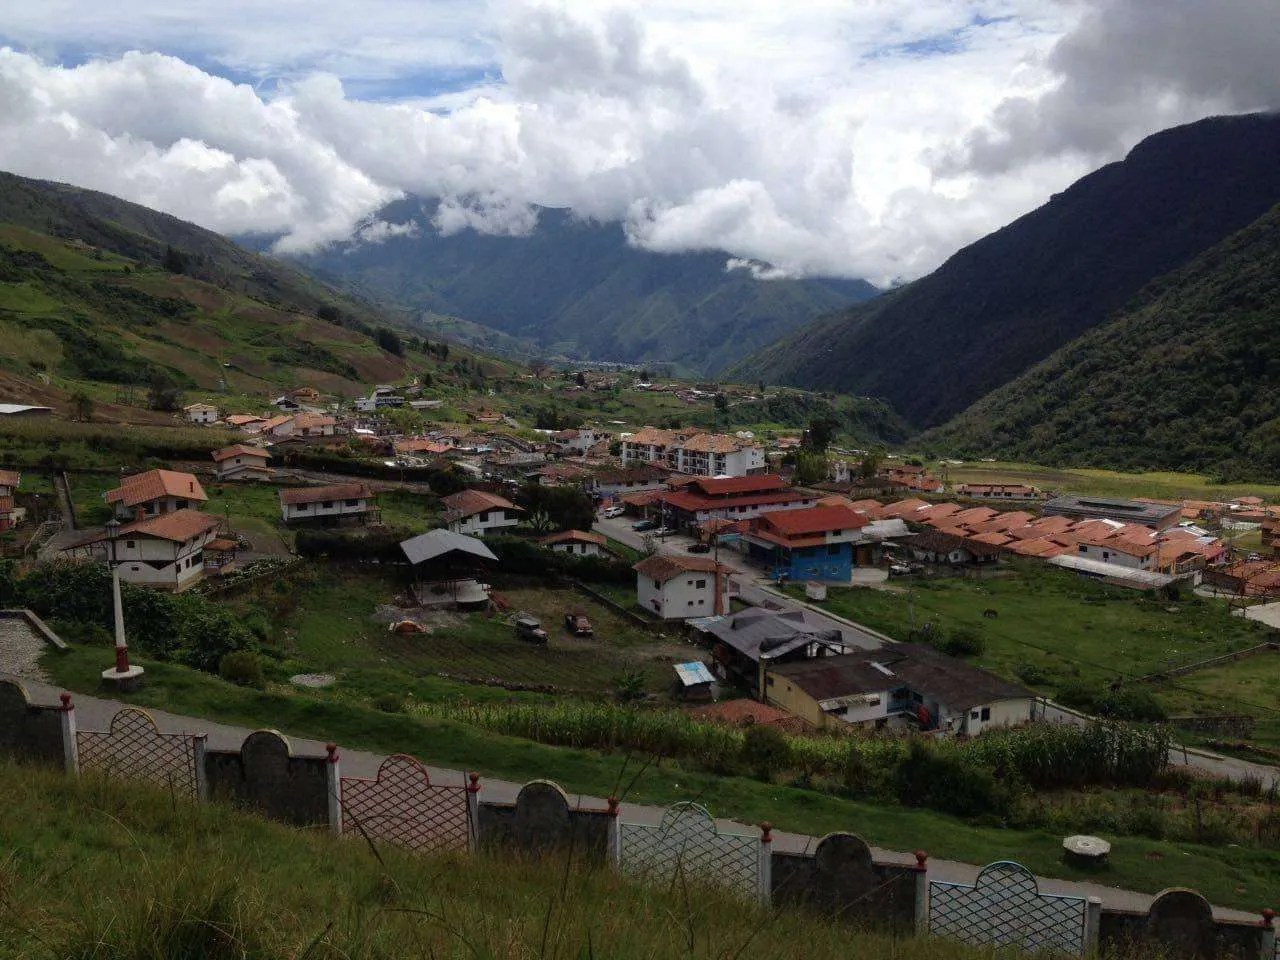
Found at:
<point>578,288</point>
<point>934,346</point>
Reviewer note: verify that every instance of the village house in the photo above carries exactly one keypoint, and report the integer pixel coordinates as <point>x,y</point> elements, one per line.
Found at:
<point>381,397</point>
<point>478,511</point>
<point>937,546</point>
<point>609,483</point>
<point>421,448</point>
<point>201,412</point>
<point>999,491</point>
<point>580,543</point>
<point>313,425</point>
<point>241,462</point>
<point>578,442</point>
<point>331,505</point>
<point>9,481</point>
<point>1122,551</point>
<point>248,422</point>
<point>704,454</point>
<point>728,498</point>
<point>169,551</point>
<point>155,492</point>
<point>901,684</point>
<point>811,543</point>
<point>742,644</point>
<point>911,477</point>
<point>678,587</point>
<point>1159,516</point>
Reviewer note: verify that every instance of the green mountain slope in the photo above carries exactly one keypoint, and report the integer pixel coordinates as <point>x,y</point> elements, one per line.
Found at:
<point>1188,378</point>
<point>1006,302</point>
<point>579,289</point>
<point>93,288</point>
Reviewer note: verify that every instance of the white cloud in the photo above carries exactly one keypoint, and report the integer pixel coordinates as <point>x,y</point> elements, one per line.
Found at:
<point>868,139</point>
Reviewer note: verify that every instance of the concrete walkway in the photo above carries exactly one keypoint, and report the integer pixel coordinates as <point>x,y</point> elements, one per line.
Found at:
<point>95,713</point>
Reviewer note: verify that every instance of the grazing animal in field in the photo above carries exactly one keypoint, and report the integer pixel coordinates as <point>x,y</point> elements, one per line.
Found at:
<point>991,613</point>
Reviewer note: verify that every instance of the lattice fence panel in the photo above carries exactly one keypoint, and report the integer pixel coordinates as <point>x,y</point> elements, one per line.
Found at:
<point>1006,908</point>
<point>135,747</point>
<point>402,806</point>
<point>687,843</point>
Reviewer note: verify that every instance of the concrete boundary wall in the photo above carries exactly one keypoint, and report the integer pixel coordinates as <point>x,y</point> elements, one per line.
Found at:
<point>839,876</point>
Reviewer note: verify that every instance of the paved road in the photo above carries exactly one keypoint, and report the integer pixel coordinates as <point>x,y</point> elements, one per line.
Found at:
<point>95,713</point>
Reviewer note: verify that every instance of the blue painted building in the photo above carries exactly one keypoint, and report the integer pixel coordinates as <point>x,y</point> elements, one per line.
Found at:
<point>814,543</point>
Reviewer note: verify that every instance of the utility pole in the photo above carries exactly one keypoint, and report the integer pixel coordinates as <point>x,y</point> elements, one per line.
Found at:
<point>122,677</point>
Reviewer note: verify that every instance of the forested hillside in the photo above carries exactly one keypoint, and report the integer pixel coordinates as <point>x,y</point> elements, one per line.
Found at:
<point>1188,378</point>
<point>1006,302</point>
<point>578,289</point>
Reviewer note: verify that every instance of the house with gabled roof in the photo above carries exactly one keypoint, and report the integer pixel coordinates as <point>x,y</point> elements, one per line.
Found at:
<point>155,492</point>
<point>200,413</point>
<point>677,587</point>
<point>169,550</point>
<point>478,512</point>
<point>241,462</point>
<point>579,543</point>
<point>811,543</point>
<point>330,505</point>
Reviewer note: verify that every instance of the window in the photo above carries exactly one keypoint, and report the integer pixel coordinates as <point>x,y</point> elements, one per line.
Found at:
<point>701,584</point>
<point>131,544</point>
<point>768,681</point>
<point>974,714</point>
<point>353,503</point>
<point>328,504</point>
<point>1083,548</point>
<point>986,713</point>
<point>691,603</point>
<point>833,549</point>
<point>181,504</point>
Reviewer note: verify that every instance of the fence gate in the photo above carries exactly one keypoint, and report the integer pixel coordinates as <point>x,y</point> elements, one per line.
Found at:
<point>135,747</point>
<point>687,843</point>
<point>1006,908</point>
<point>402,806</point>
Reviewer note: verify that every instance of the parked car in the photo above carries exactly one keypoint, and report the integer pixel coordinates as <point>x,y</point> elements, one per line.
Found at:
<point>530,629</point>
<point>614,512</point>
<point>644,525</point>
<point>577,624</point>
<point>899,570</point>
<point>699,548</point>
<point>663,531</point>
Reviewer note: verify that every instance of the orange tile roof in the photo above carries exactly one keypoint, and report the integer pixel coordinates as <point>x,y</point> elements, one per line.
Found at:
<point>335,491</point>
<point>306,421</point>
<point>722,486</point>
<point>1041,547</point>
<point>154,484</point>
<point>239,450</point>
<point>9,478</point>
<point>652,436</point>
<point>269,425</point>
<point>240,419</point>
<point>467,503</point>
<point>574,536</point>
<point>712,443</point>
<point>420,445</point>
<point>993,538</point>
<point>808,520</point>
<point>664,566</point>
<point>178,526</point>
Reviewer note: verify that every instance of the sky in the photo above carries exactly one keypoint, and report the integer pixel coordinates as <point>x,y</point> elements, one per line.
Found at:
<point>856,138</point>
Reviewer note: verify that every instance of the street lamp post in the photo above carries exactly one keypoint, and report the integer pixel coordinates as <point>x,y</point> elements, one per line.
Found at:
<point>122,678</point>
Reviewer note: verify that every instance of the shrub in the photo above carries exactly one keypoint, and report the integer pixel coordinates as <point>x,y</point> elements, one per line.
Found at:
<point>765,750</point>
<point>1031,674</point>
<point>928,777</point>
<point>960,642</point>
<point>389,702</point>
<point>243,668</point>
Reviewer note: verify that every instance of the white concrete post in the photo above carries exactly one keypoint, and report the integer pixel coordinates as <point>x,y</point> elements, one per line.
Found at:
<point>615,834</point>
<point>765,871</point>
<point>1092,923</point>
<point>334,781</point>
<point>1269,934</point>
<point>198,744</point>
<point>922,894</point>
<point>67,721</point>
<point>473,811</point>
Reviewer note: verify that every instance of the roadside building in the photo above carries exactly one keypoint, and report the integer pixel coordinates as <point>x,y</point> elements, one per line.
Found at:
<point>201,412</point>
<point>1019,492</point>
<point>1120,551</point>
<point>478,512</point>
<point>811,543</point>
<point>695,682</point>
<point>578,442</point>
<point>241,462</point>
<point>679,587</point>
<point>308,424</point>
<point>166,551</point>
<point>902,684</point>
<point>744,643</point>
<point>731,498</point>
<point>248,422</point>
<point>579,543</point>
<point>693,452</point>
<point>1160,516</point>
<point>956,549</point>
<point>332,505</point>
<point>155,492</point>
<point>611,482</point>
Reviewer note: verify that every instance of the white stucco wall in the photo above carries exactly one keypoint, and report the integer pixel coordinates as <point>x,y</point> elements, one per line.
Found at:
<point>481,523</point>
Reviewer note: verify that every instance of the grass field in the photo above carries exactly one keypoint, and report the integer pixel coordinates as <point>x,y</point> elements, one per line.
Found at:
<point>1249,686</point>
<point>1241,877</point>
<point>320,620</point>
<point>1113,483</point>
<point>116,869</point>
<point>1053,628</point>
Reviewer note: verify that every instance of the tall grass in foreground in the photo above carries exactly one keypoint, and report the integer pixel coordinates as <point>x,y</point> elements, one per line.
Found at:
<point>96,870</point>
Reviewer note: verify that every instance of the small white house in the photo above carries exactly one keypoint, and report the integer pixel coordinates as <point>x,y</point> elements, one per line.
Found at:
<point>329,506</point>
<point>201,412</point>
<point>155,492</point>
<point>676,587</point>
<point>477,512</point>
<point>580,543</point>
<point>1121,551</point>
<point>241,462</point>
<point>166,551</point>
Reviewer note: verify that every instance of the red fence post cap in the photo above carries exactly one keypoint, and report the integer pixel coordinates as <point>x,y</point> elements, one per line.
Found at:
<point>766,832</point>
<point>66,701</point>
<point>613,806</point>
<point>1268,917</point>
<point>474,786</point>
<point>332,750</point>
<point>922,860</point>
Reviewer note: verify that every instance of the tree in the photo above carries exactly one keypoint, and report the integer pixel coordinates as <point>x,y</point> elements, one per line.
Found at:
<point>389,341</point>
<point>721,404</point>
<point>329,313</point>
<point>811,467</point>
<point>580,379</point>
<point>163,393</point>
<point>821,432</point>
<point>569,508</point>
<point>869,465</point>
<point>173,261</point>
<point>82,406</point>
<point>538,365</point>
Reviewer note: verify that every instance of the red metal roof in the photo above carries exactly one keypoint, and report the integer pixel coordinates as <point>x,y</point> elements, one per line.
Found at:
<point>337,491</point>
<point>154,484</point>
<point>810,520</point>
<point>727,486</point>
